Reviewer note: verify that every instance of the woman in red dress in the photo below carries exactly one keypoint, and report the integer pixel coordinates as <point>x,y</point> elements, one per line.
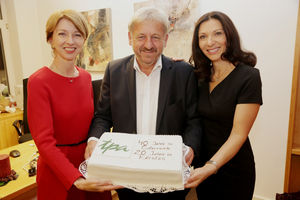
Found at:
<point>60,110</point>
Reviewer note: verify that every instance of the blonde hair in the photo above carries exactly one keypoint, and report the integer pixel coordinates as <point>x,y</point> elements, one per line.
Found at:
<point>75,17</point>
<point>149,13</point>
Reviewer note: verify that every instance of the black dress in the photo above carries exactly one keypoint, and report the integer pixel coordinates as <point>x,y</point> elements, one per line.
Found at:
<point>235,180</point>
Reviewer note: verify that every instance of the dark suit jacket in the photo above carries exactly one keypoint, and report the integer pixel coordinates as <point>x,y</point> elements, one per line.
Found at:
<point>177,104</point>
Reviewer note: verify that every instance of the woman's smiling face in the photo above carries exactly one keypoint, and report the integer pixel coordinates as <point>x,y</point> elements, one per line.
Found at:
<point>66,41</point>
<point>212,39</point>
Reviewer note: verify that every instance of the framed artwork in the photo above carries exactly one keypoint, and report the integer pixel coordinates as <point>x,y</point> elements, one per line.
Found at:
<point>182,16</point>
<point>3,67</point>
<point>1,12</point>
<point>97,51</point>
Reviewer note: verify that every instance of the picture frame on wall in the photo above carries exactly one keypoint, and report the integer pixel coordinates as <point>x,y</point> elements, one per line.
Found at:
<point>182,15</point>
<point>97,50</point>
<point>1,13</point>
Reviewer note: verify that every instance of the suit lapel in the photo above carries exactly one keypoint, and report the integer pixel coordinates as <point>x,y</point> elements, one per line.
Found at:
<point>130,73</point>
<point>165,81</point>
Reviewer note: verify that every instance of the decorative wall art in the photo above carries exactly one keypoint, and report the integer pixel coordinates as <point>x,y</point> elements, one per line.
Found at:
<point>182,16</point>
<point>97,51</point>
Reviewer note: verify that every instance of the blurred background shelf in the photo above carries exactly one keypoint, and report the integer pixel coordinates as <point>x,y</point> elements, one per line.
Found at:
<point>8,134</point>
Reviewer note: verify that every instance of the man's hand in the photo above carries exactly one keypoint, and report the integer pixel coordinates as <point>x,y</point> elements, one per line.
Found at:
<point>190,156</point>
<point>95,185</point>
<point>177,59</point>
<point>89,148</point>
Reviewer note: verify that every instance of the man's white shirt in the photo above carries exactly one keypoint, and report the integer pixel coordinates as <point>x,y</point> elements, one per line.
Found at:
<point>147,91</point>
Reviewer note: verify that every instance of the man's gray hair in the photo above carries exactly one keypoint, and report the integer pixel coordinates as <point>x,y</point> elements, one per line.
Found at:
<point>149,13</point>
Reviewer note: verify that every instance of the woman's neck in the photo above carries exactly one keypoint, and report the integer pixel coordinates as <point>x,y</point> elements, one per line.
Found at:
<point>66,69</point>
<point>220,70</point>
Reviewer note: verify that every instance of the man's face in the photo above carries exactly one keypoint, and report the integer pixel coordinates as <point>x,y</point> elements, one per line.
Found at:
<point>148,40</point>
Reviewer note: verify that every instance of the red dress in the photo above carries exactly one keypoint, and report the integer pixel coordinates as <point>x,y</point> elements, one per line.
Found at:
<point>60,110</point>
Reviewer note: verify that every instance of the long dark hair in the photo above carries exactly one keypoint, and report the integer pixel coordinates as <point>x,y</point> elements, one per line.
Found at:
<point>233,53</point>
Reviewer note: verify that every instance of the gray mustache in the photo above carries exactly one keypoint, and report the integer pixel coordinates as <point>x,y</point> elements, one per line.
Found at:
<point>149,50</point>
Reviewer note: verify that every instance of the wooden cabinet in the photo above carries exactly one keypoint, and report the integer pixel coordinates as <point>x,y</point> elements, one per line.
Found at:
<point>24,187</point>
<point>292,170</point>
<point>8,133</point>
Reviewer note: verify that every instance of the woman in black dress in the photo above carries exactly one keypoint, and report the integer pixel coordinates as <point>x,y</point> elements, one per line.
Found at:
<point>229,100</point>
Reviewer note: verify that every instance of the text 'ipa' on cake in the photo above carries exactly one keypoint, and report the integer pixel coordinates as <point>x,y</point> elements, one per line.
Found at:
<point>131,159</point>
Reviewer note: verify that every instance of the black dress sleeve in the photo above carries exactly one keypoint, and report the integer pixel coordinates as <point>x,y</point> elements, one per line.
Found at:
<point>251,92</point>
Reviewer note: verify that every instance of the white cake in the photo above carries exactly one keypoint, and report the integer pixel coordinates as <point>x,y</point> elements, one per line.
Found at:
<point>138,160</point>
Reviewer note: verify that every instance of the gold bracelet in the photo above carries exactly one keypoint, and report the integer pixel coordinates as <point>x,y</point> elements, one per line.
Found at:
<point>212,162</point>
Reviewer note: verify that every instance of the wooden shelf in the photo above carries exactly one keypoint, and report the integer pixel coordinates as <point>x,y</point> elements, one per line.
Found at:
<point>296,151</point>
<point>8,134</point>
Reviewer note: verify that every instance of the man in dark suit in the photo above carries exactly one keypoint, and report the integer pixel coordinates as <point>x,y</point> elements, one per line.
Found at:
<point>148,93</point>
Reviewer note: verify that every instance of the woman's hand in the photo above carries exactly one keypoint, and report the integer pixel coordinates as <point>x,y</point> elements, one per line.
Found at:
<point>95,185</point>
<point>200,174</point>
<point>177,59</point>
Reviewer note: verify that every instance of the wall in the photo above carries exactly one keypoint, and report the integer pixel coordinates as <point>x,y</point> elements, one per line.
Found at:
<point>266,27</point>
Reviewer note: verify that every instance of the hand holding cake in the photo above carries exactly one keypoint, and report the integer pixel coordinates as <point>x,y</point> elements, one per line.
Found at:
<point>90,148</point>
<point>189,156</point>
<point>95,185</point>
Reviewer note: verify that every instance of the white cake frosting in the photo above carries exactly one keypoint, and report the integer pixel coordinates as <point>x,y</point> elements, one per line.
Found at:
<point>138,160</point>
